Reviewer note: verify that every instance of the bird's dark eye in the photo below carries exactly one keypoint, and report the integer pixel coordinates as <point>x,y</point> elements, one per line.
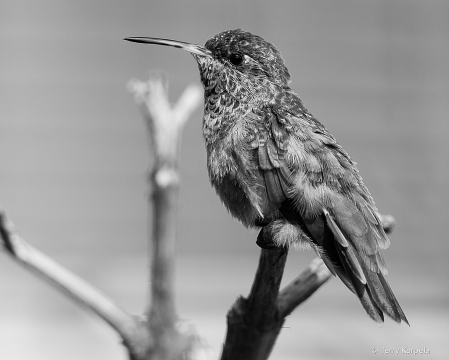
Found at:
<point>236,59</point>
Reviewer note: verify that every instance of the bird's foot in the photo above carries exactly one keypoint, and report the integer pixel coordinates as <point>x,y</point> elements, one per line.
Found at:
<point>262,221</point>
<point>265,240</point>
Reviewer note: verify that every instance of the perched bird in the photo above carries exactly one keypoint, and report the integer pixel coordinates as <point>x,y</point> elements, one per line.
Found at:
<point>274,165</point>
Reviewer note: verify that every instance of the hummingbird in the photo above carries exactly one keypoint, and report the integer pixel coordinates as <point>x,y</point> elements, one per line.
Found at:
<point>274,165</point>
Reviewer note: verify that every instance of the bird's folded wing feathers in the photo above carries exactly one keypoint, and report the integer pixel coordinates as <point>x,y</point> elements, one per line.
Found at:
<point>346,226</point>
<point>271,152</point>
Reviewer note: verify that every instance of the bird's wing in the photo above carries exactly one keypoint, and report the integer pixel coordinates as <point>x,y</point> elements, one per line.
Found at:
<point>271,151</point>
<point>317,186</point>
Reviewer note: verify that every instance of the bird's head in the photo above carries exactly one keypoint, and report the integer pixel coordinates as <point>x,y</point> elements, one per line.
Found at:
<point>233,58</point>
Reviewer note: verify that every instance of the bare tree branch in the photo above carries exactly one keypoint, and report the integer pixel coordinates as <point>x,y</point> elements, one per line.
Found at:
<point>255,322</point>
<point>303,286</point>
<point>157,336</point>
<point>76,288</point>
<point>165,124</point>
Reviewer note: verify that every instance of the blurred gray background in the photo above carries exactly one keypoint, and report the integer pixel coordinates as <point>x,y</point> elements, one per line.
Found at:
<point>74,160</point>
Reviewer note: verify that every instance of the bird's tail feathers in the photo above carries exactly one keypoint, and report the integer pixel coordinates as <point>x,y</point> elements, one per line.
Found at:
<point>370,286</point>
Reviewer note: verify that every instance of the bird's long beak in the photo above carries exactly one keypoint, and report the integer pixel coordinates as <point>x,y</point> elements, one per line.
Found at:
<point>192,48</point>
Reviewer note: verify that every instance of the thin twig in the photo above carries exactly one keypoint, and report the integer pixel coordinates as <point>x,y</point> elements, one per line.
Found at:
<point>76,288</point>
<point>302,287</point>
<point>388,222</point>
